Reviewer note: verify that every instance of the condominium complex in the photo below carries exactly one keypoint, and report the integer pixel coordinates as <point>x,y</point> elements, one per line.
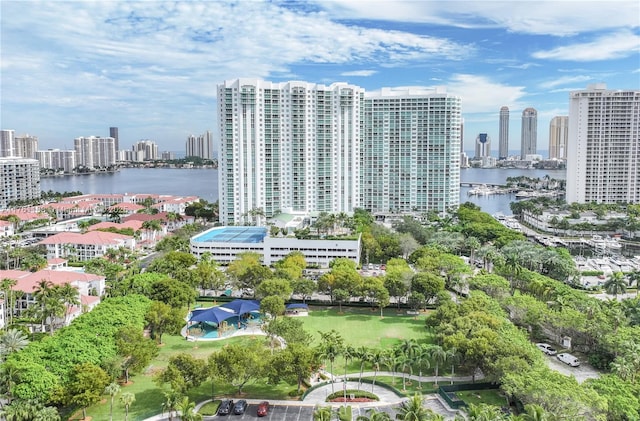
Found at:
<point>95,151</point>
<point>503,134</point>
<point>603,159</point>
<point>483,146</point>
<point>19,180</point>
<point>7,147</point>
<point>529,133</point>
<point>558,136</point>
<point>409,150</point>
<point>145,150</point>
<point>299,147</point>
<point>201,146</point>
<point>57,160</point>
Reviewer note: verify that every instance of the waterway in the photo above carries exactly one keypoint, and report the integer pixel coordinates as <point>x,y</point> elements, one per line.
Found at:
<point>204,183</point>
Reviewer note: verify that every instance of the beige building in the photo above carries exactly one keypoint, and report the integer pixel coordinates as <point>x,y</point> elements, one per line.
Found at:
<point>558,137</point>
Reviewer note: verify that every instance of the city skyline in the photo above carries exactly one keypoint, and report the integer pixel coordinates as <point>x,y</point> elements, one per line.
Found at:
<point>151,68</point>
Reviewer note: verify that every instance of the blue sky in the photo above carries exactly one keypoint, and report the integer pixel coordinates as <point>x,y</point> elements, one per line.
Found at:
<point>72,69</point>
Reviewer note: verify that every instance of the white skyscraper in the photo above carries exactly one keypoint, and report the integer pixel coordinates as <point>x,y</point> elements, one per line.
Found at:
<point>145,150</point>
<point>201,146</point>
<point>7,145</point>
<point>95,151</point>
<point>529,133</point>
<point>503,134</point>
<point>410,150</point>
<point>603,159</point>
<point>57,160</point>
<point>287,147</point>
<point>558,136</point>
<point>483,146</point>
<point>298,147</point>
<point>19,180</point>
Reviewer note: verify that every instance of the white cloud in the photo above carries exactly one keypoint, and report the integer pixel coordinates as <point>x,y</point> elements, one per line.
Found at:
<point>480,94</point>
<point>363,73</point>
<point>545,17</point>
<point>607,47</point>
<point>565,80</point>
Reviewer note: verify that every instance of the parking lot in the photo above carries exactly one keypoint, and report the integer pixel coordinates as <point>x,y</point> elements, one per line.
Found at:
<point>277,412</point>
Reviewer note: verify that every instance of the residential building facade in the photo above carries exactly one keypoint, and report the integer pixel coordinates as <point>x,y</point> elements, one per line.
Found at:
<point>95,152</point>
<point>603,160</point>
<point>145,150</point>
<point>287,147</point>
<point>200,146</point>
<point>410,150</point>
<point>299,148</point>
<point>529,133</point>
<point>503,134</point>
<point>19,180</point>
<point>57,160</point>
<point>7,146</point>
<point>483,146</point>
<point>558,137</point>
<point>113,132</point>
<point>26,146</point>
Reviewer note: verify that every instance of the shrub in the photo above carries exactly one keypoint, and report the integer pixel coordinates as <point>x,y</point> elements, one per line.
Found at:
<point>210,408</point>
<point>356,393</point>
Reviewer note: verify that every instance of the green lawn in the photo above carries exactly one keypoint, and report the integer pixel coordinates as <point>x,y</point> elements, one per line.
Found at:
<point>359,327</point>
<point>490,397</point>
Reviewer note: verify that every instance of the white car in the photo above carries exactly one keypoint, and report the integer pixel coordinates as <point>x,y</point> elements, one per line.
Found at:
<point>546,348</point>
<point>569,359</point>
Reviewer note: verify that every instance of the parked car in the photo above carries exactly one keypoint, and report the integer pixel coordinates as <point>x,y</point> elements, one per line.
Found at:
<point>239,407</point>
<point>263,408</point>
<point>546,348</point>
<point>569,359</point>
<point>225,407</point>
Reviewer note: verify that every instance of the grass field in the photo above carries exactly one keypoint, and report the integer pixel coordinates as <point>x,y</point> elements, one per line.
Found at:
<point>490,397</point>
<point>358,327</point>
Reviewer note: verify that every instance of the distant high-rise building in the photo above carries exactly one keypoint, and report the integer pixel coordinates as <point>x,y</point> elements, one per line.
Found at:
<point>7,145</point>
<point>95,151</point>
<point>26,146</point>
<point>167,156</point>
<point>603,159</point>
<point>302,147</point>
<point>19,180</point>
<point>57,160</point>
<point>483,146</point>
<point>410,150</point>
<point>529,133</point>
<point>113,132</point>
<point>558,136</point>
<point>145,150</point>
<point>201,146</point>
<point>503,134</point>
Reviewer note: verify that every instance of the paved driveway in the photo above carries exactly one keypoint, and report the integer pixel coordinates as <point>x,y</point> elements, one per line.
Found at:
<point>277,412</point>
<point>581,373</point>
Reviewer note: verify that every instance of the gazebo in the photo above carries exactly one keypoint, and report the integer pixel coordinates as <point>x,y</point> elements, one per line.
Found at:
<point>296,309</point>
<point>213,320</point>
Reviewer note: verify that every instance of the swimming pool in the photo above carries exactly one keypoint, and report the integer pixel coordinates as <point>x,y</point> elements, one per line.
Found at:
<point>233,235</point>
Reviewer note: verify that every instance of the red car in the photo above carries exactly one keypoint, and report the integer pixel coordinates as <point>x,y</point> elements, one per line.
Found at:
<point>263,408</point>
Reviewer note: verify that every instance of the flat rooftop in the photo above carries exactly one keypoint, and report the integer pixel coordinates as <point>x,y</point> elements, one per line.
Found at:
<point>232,235</point>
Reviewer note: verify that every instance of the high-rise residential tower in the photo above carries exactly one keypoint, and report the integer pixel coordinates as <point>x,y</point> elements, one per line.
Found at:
<point>558,135</point>
<point>7,144</point>
<point>26,146</point>
<point>503,134</point>
<point>287,147</point>
<point>410,150</point>
<point>302,147</point>
<point>483,146</point>
<point>201,146</point>
<point>529,133</point>
<point>19,180</point>
<point>113,132</point>
<point>145,150</point>
<point>95,151</point>
<point>603,159</point>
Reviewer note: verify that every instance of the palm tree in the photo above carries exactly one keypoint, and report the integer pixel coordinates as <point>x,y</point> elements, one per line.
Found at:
<point>152,225</point>
<point>615,284</point>
<point>112,390</point>
<point>634,277</point>
<point>13,340</point>
<point>374,415</point>
<point>422,360</point>
<point>363,355</point>
<point>348,353</point>
<point>452,356</point>
<point>439,356</point>
<point>48,302</point>
<point>376,359</point>
<point>70,297</point>
<point>187,410</point>
<point>332,343</point>
<point>127,399</point>
<point>6,285</point>
<point>484,412</point>
<point>534,412</point>
<point>412,410</point>
<point>322,413</point>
